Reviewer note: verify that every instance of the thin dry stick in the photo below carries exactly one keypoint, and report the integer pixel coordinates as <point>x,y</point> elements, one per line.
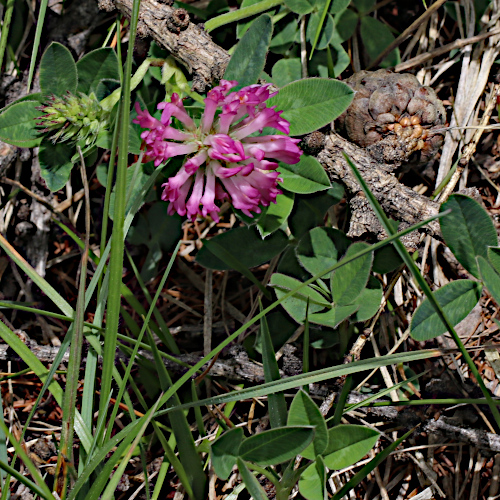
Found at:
<point>494,486</point>
<point>303,49</point>
<point>427,56</point>
<point>378,478</point>
<point>406,33</point>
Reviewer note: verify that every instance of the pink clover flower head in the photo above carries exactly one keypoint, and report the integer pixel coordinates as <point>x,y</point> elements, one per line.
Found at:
<point>225,159</point>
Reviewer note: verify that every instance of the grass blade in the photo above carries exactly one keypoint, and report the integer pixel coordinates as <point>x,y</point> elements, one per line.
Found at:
<point>117,238</point>
<point>7,18</point>
<point>36,41</point>
<point>310,378</point>
<point>75,356</point>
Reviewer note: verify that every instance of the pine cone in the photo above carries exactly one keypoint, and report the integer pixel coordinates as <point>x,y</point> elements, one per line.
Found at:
<point>394,117</point>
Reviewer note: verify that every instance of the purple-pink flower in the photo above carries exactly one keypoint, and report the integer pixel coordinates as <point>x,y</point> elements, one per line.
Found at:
<point>225,159</point>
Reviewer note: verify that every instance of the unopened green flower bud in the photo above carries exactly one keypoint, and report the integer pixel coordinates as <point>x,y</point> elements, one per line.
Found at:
<point>73,118</point>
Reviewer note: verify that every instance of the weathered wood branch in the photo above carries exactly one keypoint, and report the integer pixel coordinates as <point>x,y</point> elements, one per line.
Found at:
<point>187,42</point>
<point>397,200</point>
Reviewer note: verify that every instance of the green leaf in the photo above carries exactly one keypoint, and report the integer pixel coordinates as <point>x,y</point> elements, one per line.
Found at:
<point>305,177</point>
<point>309,211</point>
<point>348,281</point>
<point>246,245</point>
<point>276,214</point>
<point>304,411</point>
<point>376,37</point>
<point>346,24</point>
<point>286,71</point>
<point>494,258</point>
<point>282,41</point>
<point>225,451</point>
<point>467,230</point>
<point>386,260</point>
<point>18,124</point>
<point>320,248</point>
<point>338,6</point>
<point>100,64</point>
<point>249,58</point>
<point>327,30</point>
<point>55,164</point>
<point>341,58</point>
<point>252,485</point>
<point>457,299</point>
<point>490,278</point>
<point>296,305</point>
<point>311,103</point>
<point>300,6</point>
<point>58,73</point>
<point>364,5</point>
<point>312,482</point>
<point>347,444</point>
<point>242,27</point>
<point>276,445</point>
<point>369,300</point>
<point>334,316</point>
<point>276,402</point>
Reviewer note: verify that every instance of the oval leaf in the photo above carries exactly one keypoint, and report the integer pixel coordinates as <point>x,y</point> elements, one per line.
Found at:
<point>326,32</point>
<point>457,299</point>
<point>252,485</point>
<point>467,230</point>
<point>334,316</point>
<point>376,37</point>
<point>225,452</point>
<point>296,305</point>
<point>58,73</point>
<point>369,300</point>
<point>312,483</point>
<point>305,177</point>
<point>347,444</point>
<point>249,58</point>
<point>349,281</point>
<point>287,71</point>
<point>276,445</point>
<point>246,245</point>
<point>55,164</point>
<point>300,6</point>
<point>321,248</point>
<point>100,64</point>
<point>304,411</point>
<point>311,103</point>
<point>276,214</point>
<point>490,278</point>
<point>18,122</point>
<point>494,258</point>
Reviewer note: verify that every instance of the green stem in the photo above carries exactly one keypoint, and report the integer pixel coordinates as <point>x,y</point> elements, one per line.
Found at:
<point>238,15</point>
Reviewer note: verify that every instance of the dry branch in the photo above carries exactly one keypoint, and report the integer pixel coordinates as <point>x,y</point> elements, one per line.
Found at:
<point>186,41</point>
<point>397,200</point>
